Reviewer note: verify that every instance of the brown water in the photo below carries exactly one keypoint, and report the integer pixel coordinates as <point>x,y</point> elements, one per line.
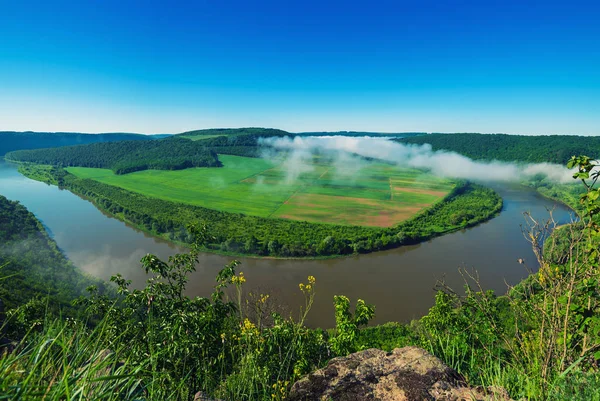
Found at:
<point>399,282</point>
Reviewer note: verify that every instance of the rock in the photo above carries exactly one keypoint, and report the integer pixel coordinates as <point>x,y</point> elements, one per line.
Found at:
<point>406,374</point>
<point>200,396</point>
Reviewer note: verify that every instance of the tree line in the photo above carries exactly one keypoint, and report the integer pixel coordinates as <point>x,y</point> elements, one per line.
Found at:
<point>234,131</point>
<point>10,140</point>
<point>125,156</point>
<point>520,148</point>
<point>244,144</point>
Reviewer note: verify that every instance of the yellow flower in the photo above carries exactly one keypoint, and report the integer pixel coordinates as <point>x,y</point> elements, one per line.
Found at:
<point>238,279</point>
<point>301,286</point>
<point>311,279</point>
<point>248,327</point>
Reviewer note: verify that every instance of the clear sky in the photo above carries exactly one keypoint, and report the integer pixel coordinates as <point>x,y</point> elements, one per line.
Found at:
<point>530,67</point>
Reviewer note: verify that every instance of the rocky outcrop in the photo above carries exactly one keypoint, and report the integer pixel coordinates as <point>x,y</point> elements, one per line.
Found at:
<point>408,373</point>
<point>200,396</point>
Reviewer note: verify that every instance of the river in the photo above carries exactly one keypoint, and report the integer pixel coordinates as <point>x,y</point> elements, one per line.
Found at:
<point>398,282</point>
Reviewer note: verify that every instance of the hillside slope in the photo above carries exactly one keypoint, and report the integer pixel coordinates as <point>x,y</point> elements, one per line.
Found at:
<point>10,140</point>
<point>125,156</point>
<point>213,132</point>
<point>522,148</point>
<point>32,265</point>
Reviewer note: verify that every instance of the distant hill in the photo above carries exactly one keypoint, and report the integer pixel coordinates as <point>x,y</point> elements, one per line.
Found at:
<point>244,141</point>
<point>362,133</point>
<point>214,132</point>
<point>238,142</point>
<point>524,148</point>
<point>11,140</point>
<point>125,156</point>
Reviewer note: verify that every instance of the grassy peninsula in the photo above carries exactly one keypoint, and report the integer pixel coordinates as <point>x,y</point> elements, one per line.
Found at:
<point>465,205</point>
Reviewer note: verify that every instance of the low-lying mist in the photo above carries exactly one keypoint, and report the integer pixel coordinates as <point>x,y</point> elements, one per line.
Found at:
<point>441,163</point>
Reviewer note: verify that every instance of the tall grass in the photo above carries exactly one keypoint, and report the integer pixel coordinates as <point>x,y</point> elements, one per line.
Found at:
<point>67,361</point>
<point>157,344</point>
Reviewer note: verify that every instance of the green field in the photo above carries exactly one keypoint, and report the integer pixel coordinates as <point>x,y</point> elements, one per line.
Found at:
<point>375,195</point>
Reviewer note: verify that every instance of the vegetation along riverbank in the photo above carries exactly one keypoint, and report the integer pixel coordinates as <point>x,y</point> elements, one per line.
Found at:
<point>465,205</point>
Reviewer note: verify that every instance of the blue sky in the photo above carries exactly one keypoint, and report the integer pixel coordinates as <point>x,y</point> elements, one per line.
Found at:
<point>142,66</point>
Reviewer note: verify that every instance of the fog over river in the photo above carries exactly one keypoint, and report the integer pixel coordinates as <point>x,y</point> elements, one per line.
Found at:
<point>398,282</point>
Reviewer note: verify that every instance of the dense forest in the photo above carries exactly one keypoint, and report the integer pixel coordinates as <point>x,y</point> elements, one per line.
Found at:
<point>10,140</point>
<point>234,131</point>
<point>277,132</point>
<point>521,148</point>
<point>362,133</point>
<point>467,205</point>
<point>33,270</point>
<point>244,143</point>
<point>125,156</point>
<point>539,341</point>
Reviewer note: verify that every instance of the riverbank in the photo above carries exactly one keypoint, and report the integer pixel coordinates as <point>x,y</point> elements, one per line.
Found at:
<point>33,269</point>
<point>235,234</point>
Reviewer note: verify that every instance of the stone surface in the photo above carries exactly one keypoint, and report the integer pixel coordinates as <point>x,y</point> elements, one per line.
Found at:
<point>200,396</point>
<point>406,374</point>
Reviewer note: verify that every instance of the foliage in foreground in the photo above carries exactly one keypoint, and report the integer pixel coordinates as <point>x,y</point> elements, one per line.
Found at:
<point>158,344</point>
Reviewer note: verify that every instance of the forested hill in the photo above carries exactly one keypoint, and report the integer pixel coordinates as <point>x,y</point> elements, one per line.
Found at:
<point>266,132</point>
<point>245,142</point>
<point>531,149</point>
<point>32,266</point>
<point>10,140</point>
<point>363,133</point>
<point>212,132</point>
<point>126,156</point>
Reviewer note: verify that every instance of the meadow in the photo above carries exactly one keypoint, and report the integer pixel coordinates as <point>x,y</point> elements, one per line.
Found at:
<point>369,194</point>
